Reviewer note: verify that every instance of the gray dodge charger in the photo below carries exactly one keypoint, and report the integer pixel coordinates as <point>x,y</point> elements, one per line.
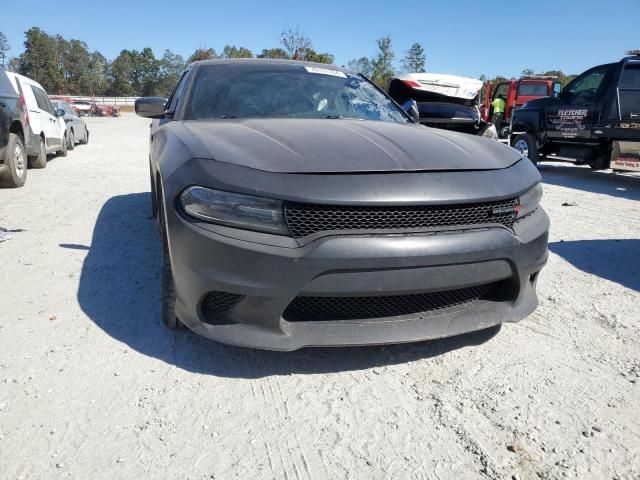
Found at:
<point>300,206</point>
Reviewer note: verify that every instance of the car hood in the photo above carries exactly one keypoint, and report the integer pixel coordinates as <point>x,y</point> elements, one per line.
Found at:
<point>339,146</point>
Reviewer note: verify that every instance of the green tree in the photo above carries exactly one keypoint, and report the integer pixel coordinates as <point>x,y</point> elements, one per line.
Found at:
<point>562,77</point>
<point>202,54</point>
<point>361,65</point>
<point>96,78</point>
<point>75,58</point>
<point>274,53</point>
<point>120,74</point>
<point>313,56</point>
<point>415,60</point>
<point>4,47</point>
<point>382,63</point>
<point>41,60</point>
<point>230,51</point>
<point>146,72</point>
<point>172,66</point>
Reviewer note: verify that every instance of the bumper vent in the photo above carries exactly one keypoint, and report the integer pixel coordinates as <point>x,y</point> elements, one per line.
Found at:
<point>307,309</point>
<point>219,302</point>
<point>307,219</point>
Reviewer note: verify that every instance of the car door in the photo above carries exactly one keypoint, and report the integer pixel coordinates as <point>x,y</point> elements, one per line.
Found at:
<point>572,115</point>
<point>48,120</point>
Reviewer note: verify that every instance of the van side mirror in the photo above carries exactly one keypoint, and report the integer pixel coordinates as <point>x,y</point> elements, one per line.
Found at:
<point>151,107</point>
<point>411,107</point>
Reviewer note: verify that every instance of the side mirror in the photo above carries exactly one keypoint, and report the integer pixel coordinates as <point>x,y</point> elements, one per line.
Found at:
<point>60,113</point>
<point>411,107</point>
<point>151,107</point>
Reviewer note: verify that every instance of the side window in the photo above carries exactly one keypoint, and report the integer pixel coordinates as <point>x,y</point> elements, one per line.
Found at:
<point>68,110</point>
<point>39,101</point>
<point>42,100</point>
<point>630,77</point>
<point>501,90</point>
<point>178,93</point>
<point>586,86</point>
<point>6,88</point>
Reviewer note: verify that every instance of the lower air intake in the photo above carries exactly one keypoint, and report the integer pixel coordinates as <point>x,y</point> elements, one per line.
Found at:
<point>307,309</point>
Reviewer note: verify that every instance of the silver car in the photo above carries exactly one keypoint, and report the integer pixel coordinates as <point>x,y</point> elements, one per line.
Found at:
<point>77,130</point>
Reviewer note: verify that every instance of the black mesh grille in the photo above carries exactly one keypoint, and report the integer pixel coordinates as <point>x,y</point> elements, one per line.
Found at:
<point>306,219</point>
<point>306,309</point>
<point>219,302</point>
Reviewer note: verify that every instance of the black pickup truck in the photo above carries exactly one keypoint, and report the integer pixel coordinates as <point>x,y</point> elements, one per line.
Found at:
<point>13,125</point>
<point>595,120</point>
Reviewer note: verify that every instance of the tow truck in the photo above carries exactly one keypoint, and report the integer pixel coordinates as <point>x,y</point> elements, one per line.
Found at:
<point>516,93</point>
<point>595,120</point>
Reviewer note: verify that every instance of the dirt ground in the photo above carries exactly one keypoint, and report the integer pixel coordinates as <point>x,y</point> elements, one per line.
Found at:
<point>92,386</point>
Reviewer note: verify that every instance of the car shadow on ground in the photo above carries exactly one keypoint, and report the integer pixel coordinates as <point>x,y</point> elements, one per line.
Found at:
<point>621,185</point>
<point>120,291</point>
<point>614,260</point>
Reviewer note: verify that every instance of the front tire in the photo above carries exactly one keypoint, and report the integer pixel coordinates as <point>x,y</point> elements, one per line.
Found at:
<point>71,140</point>
<point>85,140</point>
<point>526,144</point>
<point>15,159</point>
<point>40,160</point>
<point>168,291</point>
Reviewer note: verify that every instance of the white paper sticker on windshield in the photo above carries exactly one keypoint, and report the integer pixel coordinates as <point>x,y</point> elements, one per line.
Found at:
<point>325,71</point>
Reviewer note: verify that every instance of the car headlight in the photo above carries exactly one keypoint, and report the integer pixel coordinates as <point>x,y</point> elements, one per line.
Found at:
<point>529,201</point>
<point>234,210</point>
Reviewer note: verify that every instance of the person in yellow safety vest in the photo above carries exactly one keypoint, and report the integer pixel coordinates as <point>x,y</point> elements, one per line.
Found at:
<point>497,105</point>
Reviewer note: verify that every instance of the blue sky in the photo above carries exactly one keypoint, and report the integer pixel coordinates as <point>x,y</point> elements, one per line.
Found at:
<point>459,36</point>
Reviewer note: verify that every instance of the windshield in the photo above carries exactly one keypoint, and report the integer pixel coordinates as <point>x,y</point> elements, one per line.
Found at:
<point>286,91</point>
<point>532,90</point>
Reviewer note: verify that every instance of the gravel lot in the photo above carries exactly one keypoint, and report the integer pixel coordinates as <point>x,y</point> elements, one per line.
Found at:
<point>92,386</point>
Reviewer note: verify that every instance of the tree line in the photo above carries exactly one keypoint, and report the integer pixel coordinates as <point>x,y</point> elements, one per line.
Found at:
<point>64,66</point>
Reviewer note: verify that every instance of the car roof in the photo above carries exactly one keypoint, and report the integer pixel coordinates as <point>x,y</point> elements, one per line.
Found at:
<point>27,80</point>
<point>267,61</point>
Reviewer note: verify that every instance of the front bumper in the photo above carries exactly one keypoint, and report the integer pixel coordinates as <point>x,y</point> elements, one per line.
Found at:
<point>268,278</point>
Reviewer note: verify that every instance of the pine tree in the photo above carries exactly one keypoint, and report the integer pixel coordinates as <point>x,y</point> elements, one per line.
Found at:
<point>382,64</point>
<point>415,60</point>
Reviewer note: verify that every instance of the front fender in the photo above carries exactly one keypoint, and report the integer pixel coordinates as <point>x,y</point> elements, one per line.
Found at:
<point>529,120</point>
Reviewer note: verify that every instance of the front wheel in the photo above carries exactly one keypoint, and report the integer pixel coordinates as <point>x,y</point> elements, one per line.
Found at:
<point>71,140</point>
<point>85,140</point>
<point>526,144</point>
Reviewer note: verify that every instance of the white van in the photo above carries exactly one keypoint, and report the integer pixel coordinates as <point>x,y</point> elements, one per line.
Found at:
<point>48,129</point>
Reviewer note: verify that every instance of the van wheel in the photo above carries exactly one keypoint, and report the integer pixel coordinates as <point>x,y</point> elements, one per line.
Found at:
<point>40,160</point>
<point>15,159</point>
<point>526,144</point>
<point>63,151</point>
<point>71,140</point>
<point>168,292</point>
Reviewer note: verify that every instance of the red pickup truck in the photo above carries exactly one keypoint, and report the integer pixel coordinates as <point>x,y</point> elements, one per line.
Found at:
<point>516,93</point>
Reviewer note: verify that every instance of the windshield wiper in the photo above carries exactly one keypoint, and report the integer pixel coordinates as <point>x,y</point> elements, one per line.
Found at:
<point>334,117</point>
<point>228,116</point>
